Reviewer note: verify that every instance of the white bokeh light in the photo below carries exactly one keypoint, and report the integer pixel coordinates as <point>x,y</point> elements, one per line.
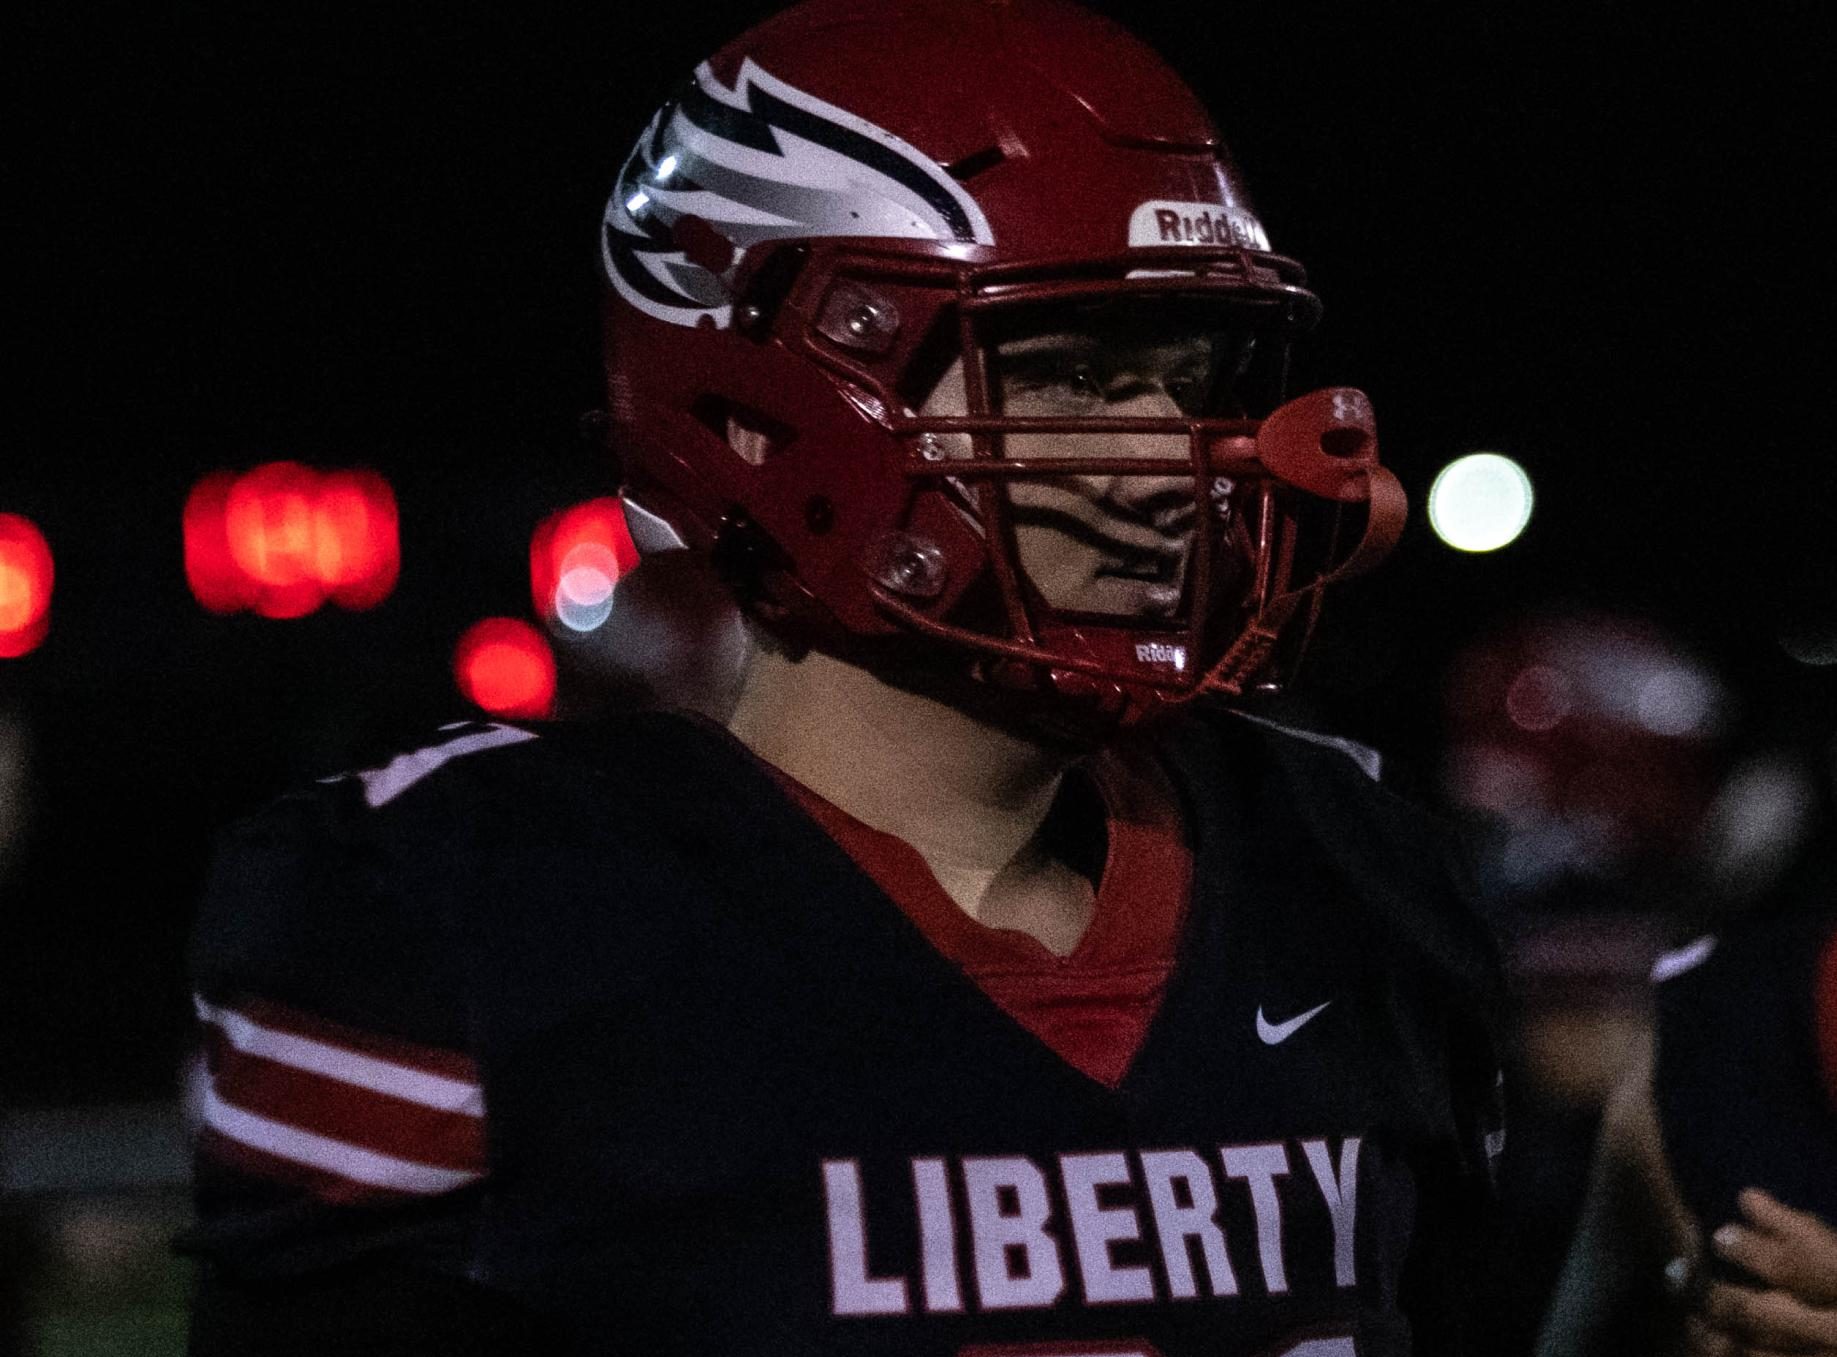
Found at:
<point>583,594</point>
<point>1480,502</point>
<point>1677,701</point>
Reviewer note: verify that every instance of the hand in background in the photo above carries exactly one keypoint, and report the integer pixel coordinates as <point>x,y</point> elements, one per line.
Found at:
<point>1793,1255</point>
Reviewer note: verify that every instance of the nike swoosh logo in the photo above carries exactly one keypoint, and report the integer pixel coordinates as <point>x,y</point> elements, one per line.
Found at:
<point>1275,1033</point>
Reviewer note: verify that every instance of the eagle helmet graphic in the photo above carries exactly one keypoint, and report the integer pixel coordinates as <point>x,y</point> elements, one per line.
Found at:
<point>761,161</point>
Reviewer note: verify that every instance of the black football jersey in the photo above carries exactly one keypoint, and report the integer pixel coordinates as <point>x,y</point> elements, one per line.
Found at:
<point>598,1018</point>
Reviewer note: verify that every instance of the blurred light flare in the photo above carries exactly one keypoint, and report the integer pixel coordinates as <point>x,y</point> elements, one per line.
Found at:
<point>505,666</point>
<point>1589,739</point>
<point>583,595</point>
<point>283,538</point>
<point>1480,502</point>
<point>1677,701</point>
<point>1759,822</point>
<point>577,557</point>
<point>1539,698</point>
<point>1502,781</point>
<point>1810,644</point>
<point>26,574</point>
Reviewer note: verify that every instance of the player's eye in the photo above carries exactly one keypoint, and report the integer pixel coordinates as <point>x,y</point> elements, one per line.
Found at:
<point>1082,383</point>
<point>1051,383</point>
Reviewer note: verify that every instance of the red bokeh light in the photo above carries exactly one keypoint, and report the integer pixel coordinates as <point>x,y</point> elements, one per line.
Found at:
<point>282,539</point>
<point>25,586</point>
<point>505,666</point>
<point>597,523</point>
<point>356,543</point>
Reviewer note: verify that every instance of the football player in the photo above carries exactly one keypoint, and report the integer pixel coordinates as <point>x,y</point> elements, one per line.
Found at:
<point>987,982</point>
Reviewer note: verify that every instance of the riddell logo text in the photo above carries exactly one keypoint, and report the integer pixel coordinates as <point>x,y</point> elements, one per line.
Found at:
<point>1164,222</point>
<point>1159,652</point>
<point>1205,228</point>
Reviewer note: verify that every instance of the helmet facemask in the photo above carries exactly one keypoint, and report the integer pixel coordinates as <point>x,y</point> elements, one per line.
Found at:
<point>1082,508</point>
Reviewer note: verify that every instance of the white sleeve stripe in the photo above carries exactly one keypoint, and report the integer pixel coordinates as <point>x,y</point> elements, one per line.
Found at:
<point>383,785</point>
<point>346,1066</point>
<point>351,1162</point>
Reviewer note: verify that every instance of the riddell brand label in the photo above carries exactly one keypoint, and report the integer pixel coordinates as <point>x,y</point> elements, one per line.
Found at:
<point>1162,222</point>
<point>1160,652</point>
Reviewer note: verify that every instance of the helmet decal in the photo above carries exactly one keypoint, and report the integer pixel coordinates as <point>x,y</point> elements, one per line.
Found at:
<point>1164,222</point>
<point>763,161</point>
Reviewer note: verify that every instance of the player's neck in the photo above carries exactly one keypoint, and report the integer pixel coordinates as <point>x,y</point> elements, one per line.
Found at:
<point>968,796</point>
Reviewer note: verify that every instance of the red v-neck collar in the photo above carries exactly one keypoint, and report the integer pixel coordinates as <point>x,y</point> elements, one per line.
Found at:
<point>1094,1005</point>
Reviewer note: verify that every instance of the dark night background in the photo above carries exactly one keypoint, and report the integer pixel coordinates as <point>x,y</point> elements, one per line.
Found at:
<point>1586,235</point>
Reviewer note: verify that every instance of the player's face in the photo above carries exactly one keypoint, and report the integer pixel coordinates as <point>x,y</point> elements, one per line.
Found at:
<point>1104,543</point>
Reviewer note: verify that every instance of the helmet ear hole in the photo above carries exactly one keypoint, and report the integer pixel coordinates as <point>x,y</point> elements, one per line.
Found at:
<point>754,437</point>
<point>753,445</point>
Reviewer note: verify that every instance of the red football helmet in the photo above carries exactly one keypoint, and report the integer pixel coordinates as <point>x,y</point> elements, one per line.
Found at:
<point>948,320</point>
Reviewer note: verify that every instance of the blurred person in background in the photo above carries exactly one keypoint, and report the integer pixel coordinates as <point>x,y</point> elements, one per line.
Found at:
<point>1623,803</point>
<point>989,977</point>
<point>1586,750</point>
<point>1709,1227</point>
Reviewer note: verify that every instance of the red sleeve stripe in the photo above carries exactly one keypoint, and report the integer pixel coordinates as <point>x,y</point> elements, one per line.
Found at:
<point>280,1037</point>
<point>352,1164</point>
<point>342,1111</point>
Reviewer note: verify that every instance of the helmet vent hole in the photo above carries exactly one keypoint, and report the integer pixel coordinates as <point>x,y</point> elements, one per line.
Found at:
<point>754,438</point>
<point>975,163</point>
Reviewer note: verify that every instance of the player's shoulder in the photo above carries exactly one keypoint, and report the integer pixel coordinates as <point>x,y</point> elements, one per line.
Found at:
<point>1336,755</point>
<point>370,869</point>
<point>468,774</point>
<point>1281,766</point>
<point>1403,863</point>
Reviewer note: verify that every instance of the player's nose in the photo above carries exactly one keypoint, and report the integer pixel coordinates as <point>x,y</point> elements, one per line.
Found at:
<point>1164,501</point>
